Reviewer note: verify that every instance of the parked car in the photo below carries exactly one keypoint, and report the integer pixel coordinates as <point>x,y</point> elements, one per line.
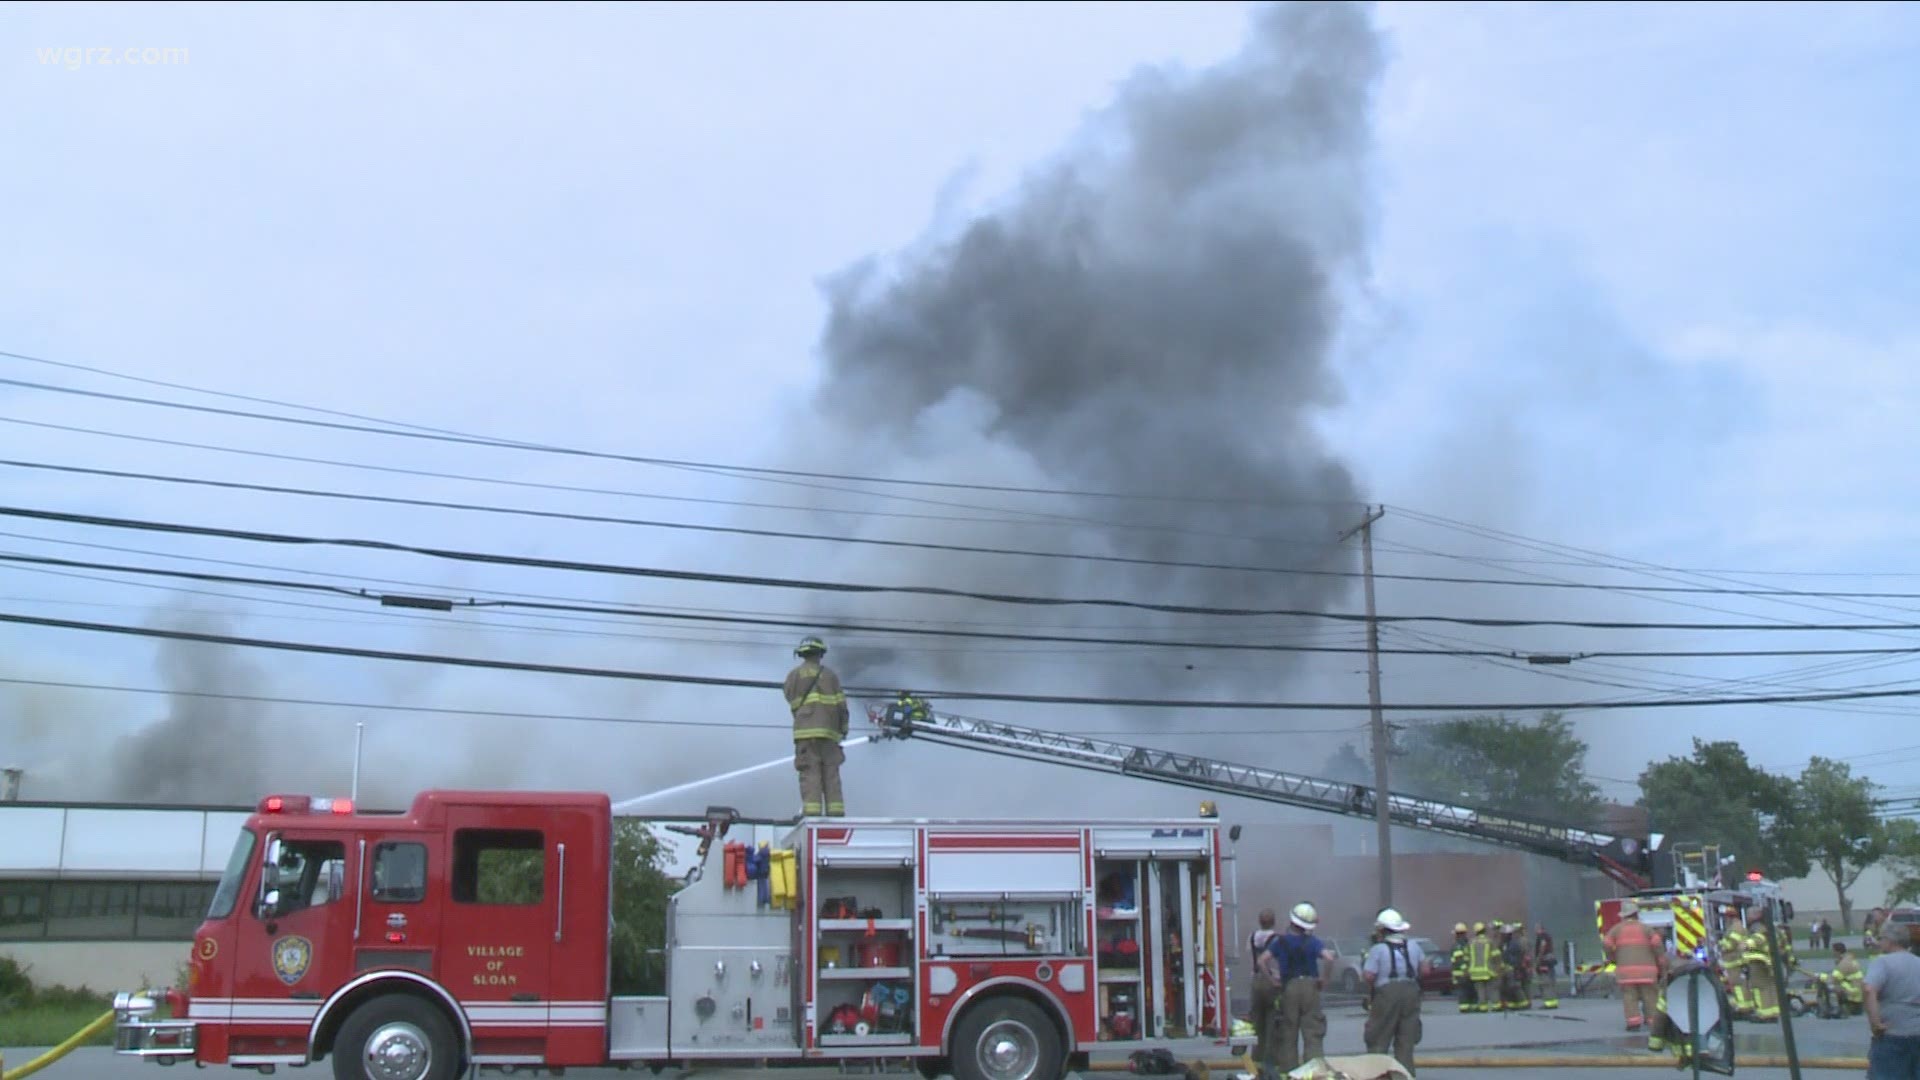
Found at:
<point>1910,918</point>
<point>1438,978</point>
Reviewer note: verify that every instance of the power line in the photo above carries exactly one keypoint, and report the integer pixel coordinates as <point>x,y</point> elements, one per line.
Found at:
<point>954,695</point>
<point>409,430</point>
<point>830,623</point>
<point>817,625</point>
<point>761,581</point>
<point>376,706</point>
<point>768,475</point>
<point>607,519</point>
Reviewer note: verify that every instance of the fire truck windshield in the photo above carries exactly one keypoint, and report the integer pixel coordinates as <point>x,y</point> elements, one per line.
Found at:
<point>227,893</point>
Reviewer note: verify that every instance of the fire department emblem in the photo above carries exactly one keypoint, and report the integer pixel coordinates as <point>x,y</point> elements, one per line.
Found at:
<point>291,958</point>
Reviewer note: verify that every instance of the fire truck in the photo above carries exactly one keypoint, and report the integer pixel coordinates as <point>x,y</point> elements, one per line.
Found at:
<point>473,930</point>
<point>1001,950</point>
<point>1693,914</point>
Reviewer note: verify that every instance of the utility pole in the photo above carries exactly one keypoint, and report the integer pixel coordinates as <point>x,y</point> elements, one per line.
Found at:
<point>1382,820</point>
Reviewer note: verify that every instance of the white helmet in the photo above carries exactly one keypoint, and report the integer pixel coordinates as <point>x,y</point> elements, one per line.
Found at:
<point>1304,916</point>
<point>1391,921</point>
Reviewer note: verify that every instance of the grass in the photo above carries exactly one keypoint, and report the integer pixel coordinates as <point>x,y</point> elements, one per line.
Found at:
<point>48,1023</point>
<point>45,1016</point>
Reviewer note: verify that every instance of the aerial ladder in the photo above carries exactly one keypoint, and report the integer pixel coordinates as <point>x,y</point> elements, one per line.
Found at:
<point>1627,860</point>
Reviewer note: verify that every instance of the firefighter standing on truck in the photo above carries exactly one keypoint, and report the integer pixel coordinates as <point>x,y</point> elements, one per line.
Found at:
<point>819,710</point>
<point>1632,950</point>
<point>1300,1024</point>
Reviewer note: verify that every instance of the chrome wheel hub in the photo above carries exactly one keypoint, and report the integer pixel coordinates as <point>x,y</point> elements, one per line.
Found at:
<point>1009,1050</point>
<point>398,1051</point>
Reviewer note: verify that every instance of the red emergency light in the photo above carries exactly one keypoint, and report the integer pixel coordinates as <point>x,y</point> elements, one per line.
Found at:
<point>304,804</point>
<point>1754,875</point>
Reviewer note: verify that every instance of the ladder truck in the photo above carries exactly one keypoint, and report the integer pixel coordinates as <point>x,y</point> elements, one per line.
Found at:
<point>1627,860</point>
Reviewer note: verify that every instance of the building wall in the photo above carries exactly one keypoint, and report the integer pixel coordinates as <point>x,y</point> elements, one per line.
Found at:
<point>1449,882</point>
<point>105,966</point>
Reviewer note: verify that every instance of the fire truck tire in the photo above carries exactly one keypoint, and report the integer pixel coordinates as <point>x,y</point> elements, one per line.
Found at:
<point>396,1037</point>
<point>1007,1038</point>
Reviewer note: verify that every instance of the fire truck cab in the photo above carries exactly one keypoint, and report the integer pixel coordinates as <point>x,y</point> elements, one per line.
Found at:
<point>474,930</point>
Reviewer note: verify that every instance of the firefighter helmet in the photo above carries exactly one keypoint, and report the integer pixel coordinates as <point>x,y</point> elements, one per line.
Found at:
<point>1479,928</point>
<point>1629,909</point>
<point>810,646</point>
<point>1304,916</point>
<point>1391,921</point>
<point>1459,928</point>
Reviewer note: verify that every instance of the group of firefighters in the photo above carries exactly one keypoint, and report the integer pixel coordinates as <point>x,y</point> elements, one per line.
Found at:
<point>1643,967</point>
<point>1500,975</point>
<point>1290,970</point>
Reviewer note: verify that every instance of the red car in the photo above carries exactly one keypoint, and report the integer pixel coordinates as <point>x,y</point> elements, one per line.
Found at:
<point>1438,978</point>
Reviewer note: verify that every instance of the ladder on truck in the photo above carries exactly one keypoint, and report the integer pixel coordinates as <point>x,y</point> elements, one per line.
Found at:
<point>1697,866</point>
<point>1627,860</point>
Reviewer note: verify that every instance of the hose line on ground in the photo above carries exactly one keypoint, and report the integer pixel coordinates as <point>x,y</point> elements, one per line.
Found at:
<point>100,1023</point>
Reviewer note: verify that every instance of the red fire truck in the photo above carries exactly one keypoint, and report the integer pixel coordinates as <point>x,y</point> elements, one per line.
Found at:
<point>473,930</point>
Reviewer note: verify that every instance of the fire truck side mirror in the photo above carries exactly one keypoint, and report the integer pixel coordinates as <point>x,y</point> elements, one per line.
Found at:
<point>269,904</point>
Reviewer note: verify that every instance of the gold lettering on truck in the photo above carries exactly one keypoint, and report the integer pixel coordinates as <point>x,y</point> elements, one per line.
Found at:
<point>496,957</point>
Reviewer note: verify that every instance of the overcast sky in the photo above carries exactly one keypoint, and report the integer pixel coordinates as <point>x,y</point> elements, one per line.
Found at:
<point>1634,280</point>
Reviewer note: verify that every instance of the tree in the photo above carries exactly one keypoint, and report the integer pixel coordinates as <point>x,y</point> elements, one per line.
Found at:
<point>641,888</point>
<point>1534,768</point>
<point>1719,797</point>
<point>1903,861</point>
<point>1347,765</point>
<point>1834,820</point>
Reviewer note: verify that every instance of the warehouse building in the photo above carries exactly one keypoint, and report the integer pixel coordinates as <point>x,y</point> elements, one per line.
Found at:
<point>107,896</point>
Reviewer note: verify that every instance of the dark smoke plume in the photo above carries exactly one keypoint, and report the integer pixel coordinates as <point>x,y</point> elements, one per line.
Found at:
<point>1153,311</point>
<point>206,749</point>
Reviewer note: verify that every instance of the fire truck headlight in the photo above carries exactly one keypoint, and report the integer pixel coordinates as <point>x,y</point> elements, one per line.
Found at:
<point>132,1006</point>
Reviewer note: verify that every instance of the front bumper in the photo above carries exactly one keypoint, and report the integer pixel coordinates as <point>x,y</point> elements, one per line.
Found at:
<point>137,1034</point>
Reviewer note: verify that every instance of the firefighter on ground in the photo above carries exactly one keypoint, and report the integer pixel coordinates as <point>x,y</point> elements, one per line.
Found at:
<point>1462,959</point>
<point>1301,961</point>
<point>1516,990</point>
<point>1266,990</point>
<point>1635,955</point>
<point>1482,968</point>
<point>1758,962</point>
<point>1733,972</point>
<point>1545,964</point>
<point>819,710</point>
<point>1392,970</point>
<point>1848,982</point>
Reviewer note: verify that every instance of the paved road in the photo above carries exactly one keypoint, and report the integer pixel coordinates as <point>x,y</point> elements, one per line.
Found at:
<point>1584,1027</point>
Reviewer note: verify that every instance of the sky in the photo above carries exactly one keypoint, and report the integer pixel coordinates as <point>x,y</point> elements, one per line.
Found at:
<point>1600,294</point>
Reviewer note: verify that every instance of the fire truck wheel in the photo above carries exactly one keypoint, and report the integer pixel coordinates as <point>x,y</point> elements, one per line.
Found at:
<point>1006,1038</point>
<point>395,1037</point>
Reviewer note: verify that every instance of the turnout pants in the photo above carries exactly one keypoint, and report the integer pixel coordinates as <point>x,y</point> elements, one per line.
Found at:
<point>1485,993</point>
<point>1265,995</point>
<point>1760,991</point>
<point>1464,988</point>
<point>1300,1025</point>
<point>818,763</point>
<point>1639,1001</point>
<point>1393,1024</point>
